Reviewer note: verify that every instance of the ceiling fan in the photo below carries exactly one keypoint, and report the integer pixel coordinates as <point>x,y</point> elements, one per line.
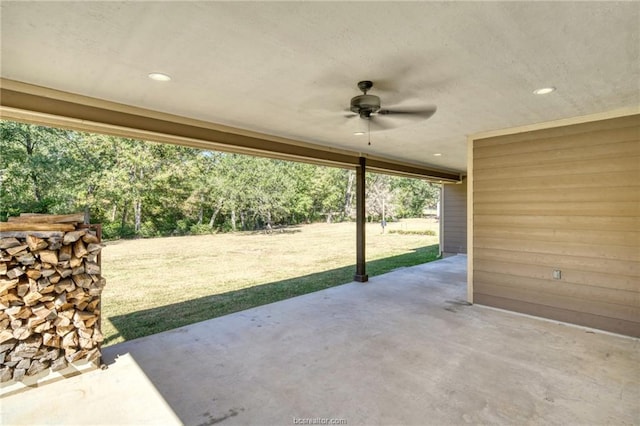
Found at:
<point>368,107</point>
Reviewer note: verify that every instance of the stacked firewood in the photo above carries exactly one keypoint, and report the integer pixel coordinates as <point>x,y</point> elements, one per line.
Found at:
<point>50,286</point>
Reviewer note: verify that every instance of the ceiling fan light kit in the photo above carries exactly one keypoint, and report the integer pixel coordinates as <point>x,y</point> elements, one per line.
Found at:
<point>364,105</point>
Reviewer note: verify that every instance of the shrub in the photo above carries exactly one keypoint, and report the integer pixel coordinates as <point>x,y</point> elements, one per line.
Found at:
<point>182,227</point>
<point>201,229</point>
<point>148,230</point>
<point>113,231</point>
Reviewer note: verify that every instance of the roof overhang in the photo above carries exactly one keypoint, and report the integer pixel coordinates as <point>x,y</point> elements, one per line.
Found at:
<point>35,104</point>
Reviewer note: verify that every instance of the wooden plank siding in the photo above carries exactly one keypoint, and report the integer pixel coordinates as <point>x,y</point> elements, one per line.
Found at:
<point>454,218</point>
<point>565,198</point>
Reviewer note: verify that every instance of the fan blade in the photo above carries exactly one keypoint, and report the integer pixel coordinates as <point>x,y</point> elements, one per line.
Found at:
<point>409,112</point>
<point>377,124</point>
<point>349,114</point>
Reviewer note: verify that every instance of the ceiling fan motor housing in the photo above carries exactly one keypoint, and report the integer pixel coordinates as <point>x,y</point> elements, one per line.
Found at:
<point>365,105</point>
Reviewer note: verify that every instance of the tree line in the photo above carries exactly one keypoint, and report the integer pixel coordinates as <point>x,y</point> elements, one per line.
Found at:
<point>138,188</point>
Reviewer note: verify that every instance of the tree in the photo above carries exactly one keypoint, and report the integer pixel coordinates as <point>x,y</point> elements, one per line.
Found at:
<point>28,165</point>
<point>138,188</point>
<point>414,195</point>
<point>380,197</point>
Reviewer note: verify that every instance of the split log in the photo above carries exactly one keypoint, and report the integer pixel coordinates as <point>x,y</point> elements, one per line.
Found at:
<point>37,366</point>
<point>42,283</point>
<point>48,218</point>
<point>6,374</point>
<point>42,312</point>
<point>6,335</point>
<point>49,354</point>
<point>12,251</point>
<point>46,296</point>
<point>82,280</point>
<point>24,312</point>
<point>93,354</point>
<point>13,311</point>
<point>62,322</point>
<point>74,262</point>
<point>46,273</point>
<point>67,313</point>
<point>64,253</point>
<point>22,289</point>
<point>17,226</point>
<point>79,249</point>
<point>40,328</point>
<point>64,330</point>
<point>26,258</point>
<point>18,374</point>
<point>27,348</point>
<point>7,346</point>
<point>64,273</point>
<point>98,336</point>
<point>86,343</point>
<point>73,236</point>
<point>7,284</point>
<point>72,356</point>
<point>9,242</point>
<point>36,243</point>
<point>33,273</point>
<point>51,339</point>
<point>92,248</point>
<point>65,285</point>
<point>58,364</point>
<point>91,307</point>
<point>21,333</point>
<point>32,298</point>
<point>24,363</point>
<point>15,273</point>
<point>91,321</point>
<point>9,299</point>
<point>55,243</point>
<point>33,322</point>
<point>90,238</point>
<point>25,234</point>
<point>70,339</point>
<point>92,268</point>
<point>60,300</point>
<point>48,256</point>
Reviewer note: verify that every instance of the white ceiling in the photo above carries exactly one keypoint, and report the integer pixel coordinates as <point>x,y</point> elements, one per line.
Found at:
<point>289,69</point>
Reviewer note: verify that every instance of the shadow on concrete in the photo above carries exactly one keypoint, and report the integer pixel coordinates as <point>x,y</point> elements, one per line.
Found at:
<point>150,321</point>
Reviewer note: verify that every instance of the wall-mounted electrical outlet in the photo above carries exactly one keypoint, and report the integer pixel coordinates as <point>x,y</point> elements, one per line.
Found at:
<point>557,274</point>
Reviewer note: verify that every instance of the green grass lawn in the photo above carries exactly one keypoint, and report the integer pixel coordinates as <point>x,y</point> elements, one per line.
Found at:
<point>159,284</point>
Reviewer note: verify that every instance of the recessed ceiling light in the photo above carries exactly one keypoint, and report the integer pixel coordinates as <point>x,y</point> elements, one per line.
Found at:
<point>158,76</point>
<point>358,133</point>
<point>437,154</point>
<point>544,91</point>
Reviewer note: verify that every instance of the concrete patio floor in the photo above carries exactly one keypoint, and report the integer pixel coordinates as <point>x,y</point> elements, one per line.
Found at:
<point>402,349</point>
